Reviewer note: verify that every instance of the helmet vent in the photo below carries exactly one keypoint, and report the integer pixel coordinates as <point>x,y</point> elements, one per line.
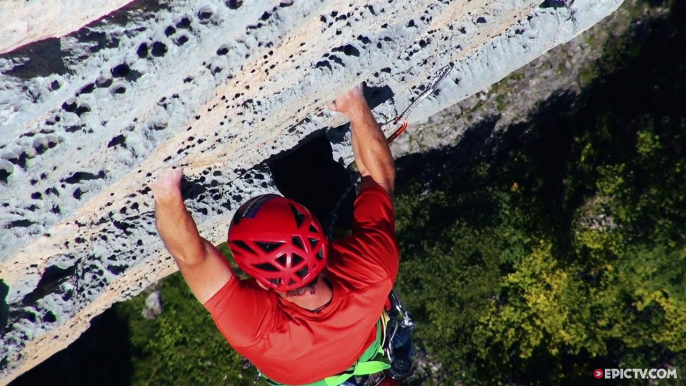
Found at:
<point>299,216</point>
<point>313,228</point>
<point>276,281</point>
<point>291,282</point>
<point>303,272</point>
<point>299,242</point>
<point>241,244</point>
<point>268,246</point>
<point>282,260</point>
<point>296,260</point>
<point>320,254</point>
<point>313,242</point>
<point>266,267</point>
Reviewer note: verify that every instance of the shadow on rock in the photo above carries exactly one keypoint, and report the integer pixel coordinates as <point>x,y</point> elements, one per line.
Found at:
<point>45,58</point>
<point>431,167</point>
<point>101,356</point>
<point>4,307</point>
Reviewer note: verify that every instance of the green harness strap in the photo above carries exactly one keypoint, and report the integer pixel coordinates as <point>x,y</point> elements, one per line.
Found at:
<point>372,361</point>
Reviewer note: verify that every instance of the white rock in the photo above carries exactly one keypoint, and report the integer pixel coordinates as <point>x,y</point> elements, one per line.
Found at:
<point>153,305</point>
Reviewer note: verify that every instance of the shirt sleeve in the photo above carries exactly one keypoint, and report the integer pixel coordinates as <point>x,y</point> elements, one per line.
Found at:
<point>243,311</point>
<point>370,254</point>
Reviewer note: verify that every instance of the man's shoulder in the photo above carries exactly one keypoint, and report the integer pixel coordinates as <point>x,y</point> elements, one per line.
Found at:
<point>237,292</point>
<point>372,188</point>
<point>359,263</point>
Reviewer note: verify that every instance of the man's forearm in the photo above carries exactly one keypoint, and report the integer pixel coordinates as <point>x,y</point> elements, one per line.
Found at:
<point>202,265</point>
<point>372,154</point>
<point>178,230</point>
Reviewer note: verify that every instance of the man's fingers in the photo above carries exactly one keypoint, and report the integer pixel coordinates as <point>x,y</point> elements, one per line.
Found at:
<point>347,101</point>
<point>168,183</point>
<point>176,174</point>
<point>170,177</point>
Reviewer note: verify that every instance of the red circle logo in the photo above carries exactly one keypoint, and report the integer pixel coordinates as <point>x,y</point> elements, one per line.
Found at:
<point>598,373</point>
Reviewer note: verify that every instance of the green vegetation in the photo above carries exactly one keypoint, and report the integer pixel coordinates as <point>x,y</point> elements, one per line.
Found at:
<point>500,102</point>
<point>530,256</point>
<point>560,247</point>
<point>181,345</point>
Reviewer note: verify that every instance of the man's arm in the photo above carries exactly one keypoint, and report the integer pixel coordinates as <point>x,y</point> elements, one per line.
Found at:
<point>372,154</point>
<point>202,265</point>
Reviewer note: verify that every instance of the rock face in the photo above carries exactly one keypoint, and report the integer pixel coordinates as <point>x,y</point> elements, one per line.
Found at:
<point>24,22</point>
<point>216,87</point>
<point>153,305</point>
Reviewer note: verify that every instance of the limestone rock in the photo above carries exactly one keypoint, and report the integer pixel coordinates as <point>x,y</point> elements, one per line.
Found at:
<point>217,87</point>
<point>24,22</point>
<point>153,305</point>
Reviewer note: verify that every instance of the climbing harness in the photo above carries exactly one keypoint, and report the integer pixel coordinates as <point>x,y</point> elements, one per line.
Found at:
<point>399,319</point>
<point>399,353</point>
<point>400,119</point>
<point>372,361</point>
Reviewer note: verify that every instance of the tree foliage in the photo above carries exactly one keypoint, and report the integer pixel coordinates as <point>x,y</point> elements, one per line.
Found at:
<point>560,246</point>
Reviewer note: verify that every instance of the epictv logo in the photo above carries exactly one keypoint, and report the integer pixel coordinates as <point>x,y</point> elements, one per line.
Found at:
<point>635,373</point>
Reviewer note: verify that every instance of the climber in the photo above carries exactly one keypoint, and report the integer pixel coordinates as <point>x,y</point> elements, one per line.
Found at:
<point>310,315</point>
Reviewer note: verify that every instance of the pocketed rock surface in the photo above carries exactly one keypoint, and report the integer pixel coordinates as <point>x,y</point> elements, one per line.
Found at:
<point>24,22</point>
<point>217,87</point>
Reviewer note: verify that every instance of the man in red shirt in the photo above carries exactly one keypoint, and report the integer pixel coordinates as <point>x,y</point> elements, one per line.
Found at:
<point>312,307</point>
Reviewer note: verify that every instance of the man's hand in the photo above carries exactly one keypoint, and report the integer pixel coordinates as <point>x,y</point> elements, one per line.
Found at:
<point>351,102</point>
<point>168,185</point>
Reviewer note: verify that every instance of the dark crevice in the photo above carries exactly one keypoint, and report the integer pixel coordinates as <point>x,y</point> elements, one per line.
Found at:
<point>4,307</point>
<point>45,59</point>
<point>83,176</point>
<point>49,283</point>
<point>323,63</point>
<point>121,70</point>
<point>348,50</point>
<point>554,4</point>
<point>234,4</point>
<point>158,49</point>
<point>143,50</point>
<point>19,224</point>
<point>116,141</point>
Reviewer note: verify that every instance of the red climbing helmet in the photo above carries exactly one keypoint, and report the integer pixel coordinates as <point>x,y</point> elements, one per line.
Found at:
<point>278,242</point>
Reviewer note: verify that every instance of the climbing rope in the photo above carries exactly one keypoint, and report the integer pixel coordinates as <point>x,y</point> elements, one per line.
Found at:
<point>400,119</point>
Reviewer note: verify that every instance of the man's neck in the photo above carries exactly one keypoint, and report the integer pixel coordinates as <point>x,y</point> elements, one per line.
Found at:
<point>314,300</point>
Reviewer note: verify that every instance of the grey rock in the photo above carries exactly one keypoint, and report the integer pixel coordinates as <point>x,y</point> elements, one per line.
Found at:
<point>153,305</point>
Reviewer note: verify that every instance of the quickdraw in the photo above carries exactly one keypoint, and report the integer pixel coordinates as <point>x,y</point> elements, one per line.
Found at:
<point>402,118</point>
